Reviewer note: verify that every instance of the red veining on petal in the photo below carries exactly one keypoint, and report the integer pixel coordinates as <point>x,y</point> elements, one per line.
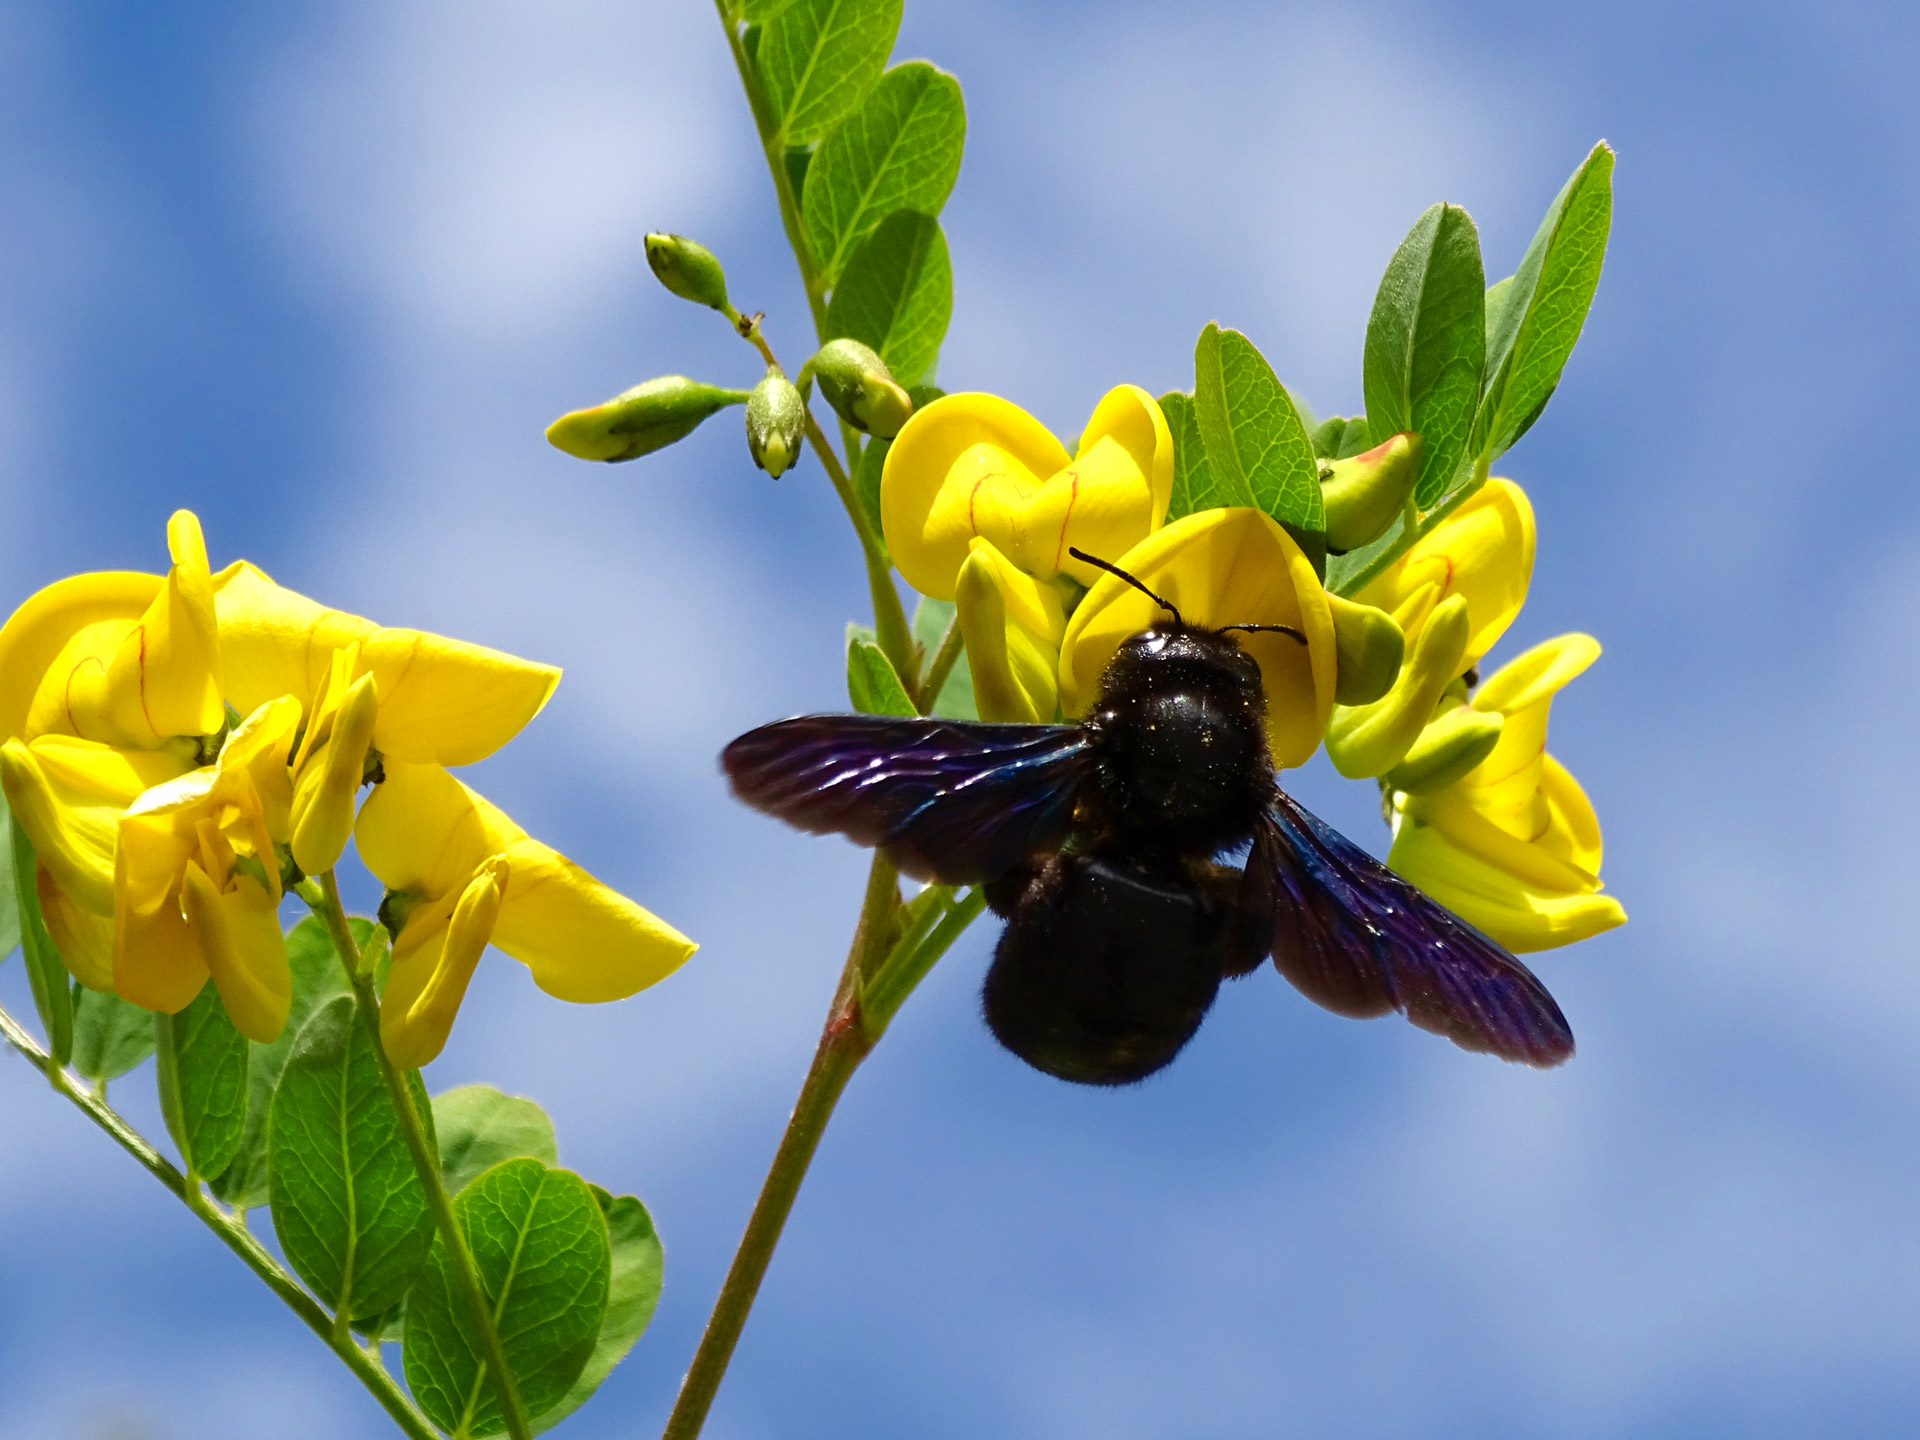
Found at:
<point>1073,496</point>
<point>145,714</point>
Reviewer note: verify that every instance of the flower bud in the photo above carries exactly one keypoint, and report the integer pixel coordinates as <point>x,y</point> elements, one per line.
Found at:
<point>1369,740</point>
<point>689,270</point>
<point>646,418</point>
<point>857,384</point>
<point>1453,743</point>
<point>1365,492</point>
<point>776,421</point>
<point>1368,648</point>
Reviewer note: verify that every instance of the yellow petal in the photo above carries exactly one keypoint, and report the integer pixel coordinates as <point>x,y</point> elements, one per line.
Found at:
<point>1112,496</point>
<point>1219,567</point>
<point>33,692</point>
<point>1537,674</point>
<point>416,1019</point>
<point>584,941</point>
<point>445,702</point>
<point>1012,625</point>
<point>1506,785</point>
<point>1517,911</point>
<point>84,940</point>
<point>158,960</point>
<point>1573,831</point>
<point>162,678</point>
<point>963,466</point>
<point>275,641</point>
<point>238,934</point>
<point>68,795</point>
<point>422,831</point>
<point>329,780</point>
<point>1484,551</point>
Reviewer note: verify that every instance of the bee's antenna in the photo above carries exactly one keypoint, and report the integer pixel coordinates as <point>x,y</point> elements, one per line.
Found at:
<point>1112,569</point>
<point>1278,629</point>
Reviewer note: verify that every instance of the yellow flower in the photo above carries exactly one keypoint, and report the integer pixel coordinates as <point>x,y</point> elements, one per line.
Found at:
<point>68,795</point>
<point>1012,625</point>
<point>1484,551</point>
<point>976,465</point>
<point>1514,846</point>
<point>126,659</point>
<point>1218,567</point>
<point>460,873</point>
<point>197,881</point>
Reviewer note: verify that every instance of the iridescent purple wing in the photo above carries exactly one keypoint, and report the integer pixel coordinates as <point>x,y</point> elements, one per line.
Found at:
<point>1353,936</point>
<point>948,800</point>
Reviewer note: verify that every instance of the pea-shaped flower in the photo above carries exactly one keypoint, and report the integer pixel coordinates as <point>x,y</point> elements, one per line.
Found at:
<point>459,874</point>
<point>1514,846</point>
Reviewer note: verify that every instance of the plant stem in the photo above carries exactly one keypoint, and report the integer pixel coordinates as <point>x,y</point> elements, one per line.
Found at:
<point>889,619</point>
<point>426,1164</point>
<point>843,1045</point>
<point>927,693</point>
<point>232,1232</point>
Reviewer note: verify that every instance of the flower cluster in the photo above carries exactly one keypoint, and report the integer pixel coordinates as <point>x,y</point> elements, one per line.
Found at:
<point>183,749</point>
<point>982,506</point>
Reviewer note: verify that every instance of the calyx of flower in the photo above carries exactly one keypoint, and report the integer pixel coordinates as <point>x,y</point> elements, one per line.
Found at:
<point>1364,493</point>
<point>860,388</point>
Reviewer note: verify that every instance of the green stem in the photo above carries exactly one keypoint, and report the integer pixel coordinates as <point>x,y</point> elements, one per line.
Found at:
<point>927,693</point>
<point>889,618</point>
<point>843,1045</point>
<point>232,1233</point>
<point>426,1164</point>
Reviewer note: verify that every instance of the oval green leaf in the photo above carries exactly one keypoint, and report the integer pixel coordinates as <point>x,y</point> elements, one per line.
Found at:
<point>110,1035</point>
<point>540,1245</point>
<point>1193,483</point>
<point>318,977</point>
<point>480,1126</point>
<point>1535,315</point>
<point>873,685</point>
<point>200,1061</point>
<point>818,58</point>
<point>347,1206</point>
<point>899,151</point>
<point>1257,448</point>
<point>897,294</point>
<point>632,1294</point>
<point>1426,345</point>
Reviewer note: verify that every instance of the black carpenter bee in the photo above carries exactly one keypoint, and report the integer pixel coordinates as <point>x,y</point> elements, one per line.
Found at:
<point>1099,841</point>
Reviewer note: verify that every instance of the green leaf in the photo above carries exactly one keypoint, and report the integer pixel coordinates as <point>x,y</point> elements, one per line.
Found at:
<point>1535,315</point>
<point>897,294</point>
<point>930,621</point>
<point>318,977</point>
<point>201,1066</point>
<point>872,683</point>
<point>479,1127</point>
<point>1257,447</point>
<point>347,1206</point>
<point>1194,487</point>
<point>1356,441</point>
<point>541,1247</point>
<point>899,151</point>
<point>760,11</point>
<point>1426,345</point>
<point>634,1291</point>
<point>9,904</point>
<point>818,58</point>
<point>46,972</point>
<point>110,1035</point>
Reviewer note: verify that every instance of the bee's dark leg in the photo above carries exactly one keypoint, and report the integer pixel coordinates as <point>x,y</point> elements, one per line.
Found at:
<point>1005,893</point>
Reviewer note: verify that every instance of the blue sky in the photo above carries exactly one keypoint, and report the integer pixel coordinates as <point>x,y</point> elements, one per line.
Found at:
<point>323,273</point>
